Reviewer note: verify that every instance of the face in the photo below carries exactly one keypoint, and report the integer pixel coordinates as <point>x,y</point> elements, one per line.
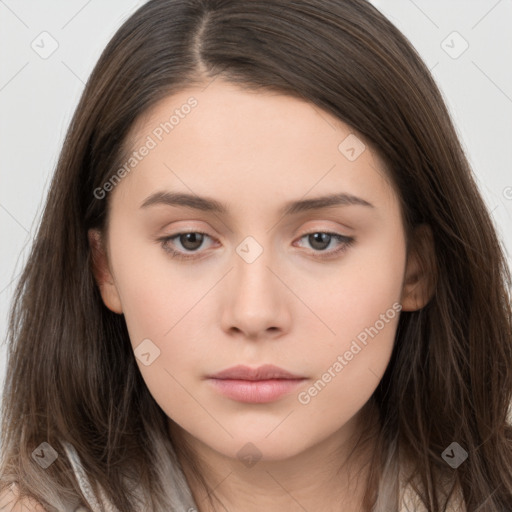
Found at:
<point>267,275</point>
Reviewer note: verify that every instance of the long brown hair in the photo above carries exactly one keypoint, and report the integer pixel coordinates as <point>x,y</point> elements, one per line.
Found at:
<point>71,374</point>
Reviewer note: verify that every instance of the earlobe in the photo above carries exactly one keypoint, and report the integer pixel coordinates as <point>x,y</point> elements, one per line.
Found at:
<point>102,273</point>
<point>420,274</point>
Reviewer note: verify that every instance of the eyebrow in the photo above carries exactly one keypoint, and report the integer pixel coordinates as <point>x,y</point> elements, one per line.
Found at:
<point>208,204</point>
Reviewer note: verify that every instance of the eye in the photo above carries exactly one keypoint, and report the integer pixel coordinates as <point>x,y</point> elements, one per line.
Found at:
<point>191,241</point>
<point>320,240</point>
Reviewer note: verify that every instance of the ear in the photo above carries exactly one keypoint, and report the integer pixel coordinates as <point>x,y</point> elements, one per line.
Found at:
<point>420,273</point>
<point>102,273</point>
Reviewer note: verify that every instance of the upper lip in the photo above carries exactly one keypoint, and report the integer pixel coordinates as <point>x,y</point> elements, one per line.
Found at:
<point>265,372</point>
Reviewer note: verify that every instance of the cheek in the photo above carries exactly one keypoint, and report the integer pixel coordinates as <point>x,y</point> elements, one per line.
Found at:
<point>360,310</point>
<point>155,291</point>
<point>160,309</point>
<point>352,296</point>
<point>165,308</point>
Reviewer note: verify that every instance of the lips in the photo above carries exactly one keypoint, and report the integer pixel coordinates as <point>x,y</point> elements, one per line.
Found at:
<point>265,372</point>
<point>266,383</point>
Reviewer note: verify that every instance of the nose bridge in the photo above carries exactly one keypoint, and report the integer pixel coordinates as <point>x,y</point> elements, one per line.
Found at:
<point>252,276</point>
<point>255,296</point>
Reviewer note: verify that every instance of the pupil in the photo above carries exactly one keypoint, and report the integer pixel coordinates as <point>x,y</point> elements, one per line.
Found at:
<point>191,237</point>
<point>319,237</point>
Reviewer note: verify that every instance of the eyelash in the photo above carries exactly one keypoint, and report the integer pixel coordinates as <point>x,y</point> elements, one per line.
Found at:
<point>346,242</point>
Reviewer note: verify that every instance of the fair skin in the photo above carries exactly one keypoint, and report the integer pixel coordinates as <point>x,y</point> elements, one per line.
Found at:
<point>255,152</point>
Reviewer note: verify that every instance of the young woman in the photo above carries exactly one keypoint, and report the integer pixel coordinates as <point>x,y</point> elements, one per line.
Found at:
<point>264,279</point>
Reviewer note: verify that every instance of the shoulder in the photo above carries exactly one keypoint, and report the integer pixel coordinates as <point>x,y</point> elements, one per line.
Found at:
<point>10,502</point>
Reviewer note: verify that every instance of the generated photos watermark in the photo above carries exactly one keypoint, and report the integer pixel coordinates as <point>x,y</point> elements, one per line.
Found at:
<point>151,142</point>
<point>361,341</point>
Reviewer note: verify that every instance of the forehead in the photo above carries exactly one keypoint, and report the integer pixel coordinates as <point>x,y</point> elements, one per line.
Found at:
<point>251,147</point>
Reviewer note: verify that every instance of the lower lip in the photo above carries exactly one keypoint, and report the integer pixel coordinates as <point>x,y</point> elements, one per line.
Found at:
<point>257,391</point>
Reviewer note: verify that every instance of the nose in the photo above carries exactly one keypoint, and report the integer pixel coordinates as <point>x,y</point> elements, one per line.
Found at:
<point>256,299</point>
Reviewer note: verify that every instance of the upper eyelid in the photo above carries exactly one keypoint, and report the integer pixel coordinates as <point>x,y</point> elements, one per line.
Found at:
<point>307,232</point>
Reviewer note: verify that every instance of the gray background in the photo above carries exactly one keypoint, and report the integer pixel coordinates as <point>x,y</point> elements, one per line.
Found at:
<point>38,96</point>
